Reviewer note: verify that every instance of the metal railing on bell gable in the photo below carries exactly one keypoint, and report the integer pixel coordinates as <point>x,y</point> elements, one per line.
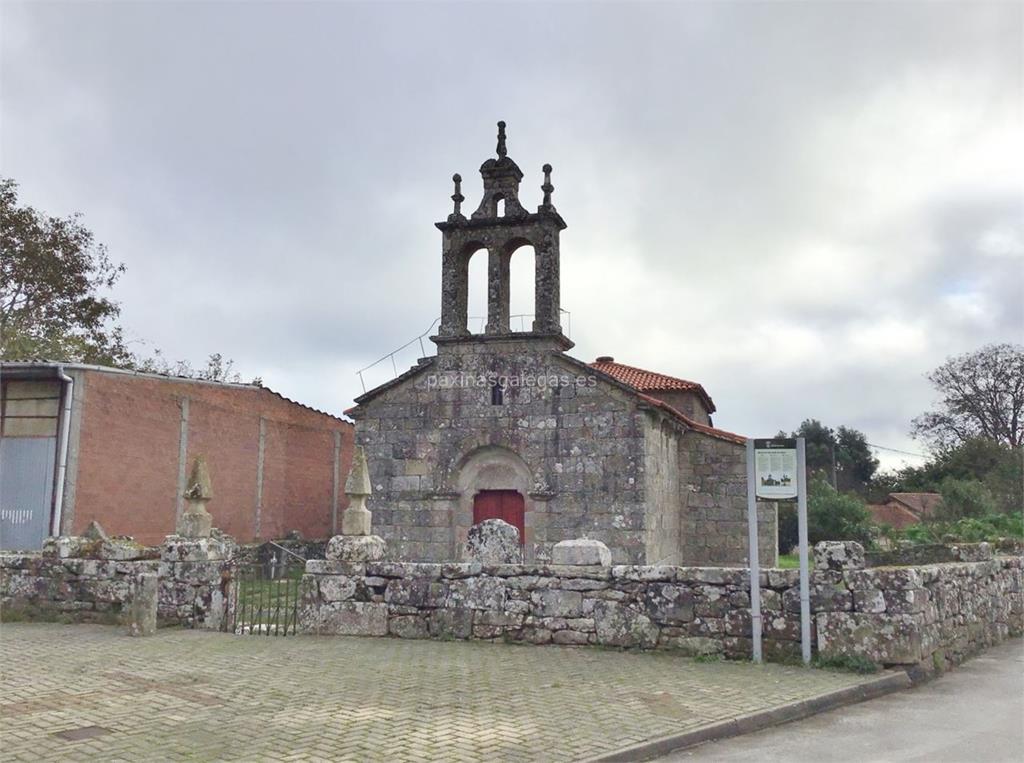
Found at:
<point>396,360</point>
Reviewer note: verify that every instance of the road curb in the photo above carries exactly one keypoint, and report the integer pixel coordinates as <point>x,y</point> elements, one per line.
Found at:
<point>744,724</point>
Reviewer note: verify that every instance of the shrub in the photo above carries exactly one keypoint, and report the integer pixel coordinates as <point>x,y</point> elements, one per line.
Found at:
<point>969,530</point>
<point>831,515</point>
<point>965,498</point>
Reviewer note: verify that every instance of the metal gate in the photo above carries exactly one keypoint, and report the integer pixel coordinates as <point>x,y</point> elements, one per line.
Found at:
<point>264,596</point>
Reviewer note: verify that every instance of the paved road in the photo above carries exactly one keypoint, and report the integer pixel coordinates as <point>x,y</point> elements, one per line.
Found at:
<point>77,692</point>
<point>972,714</point>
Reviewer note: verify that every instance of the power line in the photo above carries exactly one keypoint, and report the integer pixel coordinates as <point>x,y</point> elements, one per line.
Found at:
<point>896,450</point>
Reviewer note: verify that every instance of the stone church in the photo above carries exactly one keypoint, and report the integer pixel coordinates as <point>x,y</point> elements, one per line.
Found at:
<point>505,424</point>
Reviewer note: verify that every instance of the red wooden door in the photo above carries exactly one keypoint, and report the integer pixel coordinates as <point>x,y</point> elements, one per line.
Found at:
<point>500,504</point>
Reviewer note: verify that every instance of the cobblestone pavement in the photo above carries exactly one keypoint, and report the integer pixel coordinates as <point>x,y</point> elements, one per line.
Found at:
<point>192,695</point>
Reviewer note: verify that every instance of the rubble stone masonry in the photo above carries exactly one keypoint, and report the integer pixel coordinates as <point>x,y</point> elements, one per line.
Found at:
<point>921,617</point>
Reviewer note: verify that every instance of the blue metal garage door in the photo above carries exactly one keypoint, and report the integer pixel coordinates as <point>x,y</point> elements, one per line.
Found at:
<point>26,491</point>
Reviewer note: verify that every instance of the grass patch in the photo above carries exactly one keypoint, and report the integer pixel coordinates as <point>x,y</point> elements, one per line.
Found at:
<point>846,662</point>
<point>792,561</point>
<point>708,658</point>
<point>268,602</point>
<point>33,613</point>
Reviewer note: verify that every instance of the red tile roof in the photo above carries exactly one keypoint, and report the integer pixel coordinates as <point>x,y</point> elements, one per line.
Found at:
<point>921,504</point>
<point>721,434</point>
<point>650,381</point>
<point>893,514</point>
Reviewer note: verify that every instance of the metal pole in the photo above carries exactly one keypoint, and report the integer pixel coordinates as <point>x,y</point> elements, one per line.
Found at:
<point>801,518</point>
<point>755,565</point>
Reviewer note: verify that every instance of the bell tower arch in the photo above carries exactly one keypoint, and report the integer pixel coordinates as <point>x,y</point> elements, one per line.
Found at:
<point>500,225</point>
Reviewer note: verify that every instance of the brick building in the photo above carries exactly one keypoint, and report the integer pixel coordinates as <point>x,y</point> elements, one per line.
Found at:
<point>506,424</point>
<point>79,443</point>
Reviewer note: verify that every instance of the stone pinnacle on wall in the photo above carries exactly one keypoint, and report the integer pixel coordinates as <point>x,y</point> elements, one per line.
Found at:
<point>195,521</point>
<point>357,518</point>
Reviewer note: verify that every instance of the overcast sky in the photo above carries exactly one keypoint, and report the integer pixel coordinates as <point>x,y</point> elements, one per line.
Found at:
<point>805,207</point>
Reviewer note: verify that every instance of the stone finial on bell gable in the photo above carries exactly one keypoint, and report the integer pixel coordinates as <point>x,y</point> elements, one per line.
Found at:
<point>548,189</point>
<point>501,150</point>
<point>458,198</point>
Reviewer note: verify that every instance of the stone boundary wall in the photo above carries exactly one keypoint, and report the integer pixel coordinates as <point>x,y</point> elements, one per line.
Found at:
<point>922,616</point>
<point>191,593</point>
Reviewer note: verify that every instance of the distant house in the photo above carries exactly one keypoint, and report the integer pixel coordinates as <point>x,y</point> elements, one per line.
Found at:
<point>904,509</point>
<point>80,442</point>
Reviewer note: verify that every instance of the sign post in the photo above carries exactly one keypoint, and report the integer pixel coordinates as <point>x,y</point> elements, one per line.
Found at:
<point>776,471</point>
<point>801,520</point>
<point>753,554</point>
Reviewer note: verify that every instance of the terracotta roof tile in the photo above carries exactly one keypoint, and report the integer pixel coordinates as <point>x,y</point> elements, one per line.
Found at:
<point>893,514</point>
<point>921,504</point>
<point>721,434</point>
<point>650,381</point>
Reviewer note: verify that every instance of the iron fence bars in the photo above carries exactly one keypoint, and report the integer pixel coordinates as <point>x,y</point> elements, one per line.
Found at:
<point>525,321</point>
<point>264,597</point>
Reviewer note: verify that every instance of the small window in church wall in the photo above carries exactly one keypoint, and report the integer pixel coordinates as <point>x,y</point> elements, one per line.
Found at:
<point>497,394</point>
<point>500,208</point>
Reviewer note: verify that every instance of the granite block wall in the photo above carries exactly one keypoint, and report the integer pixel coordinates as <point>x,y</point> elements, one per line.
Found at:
<point>191,593</point>
<point>713,473</point>
<point>573,448</point>
<point>921,618</point>
<point>589,458</point>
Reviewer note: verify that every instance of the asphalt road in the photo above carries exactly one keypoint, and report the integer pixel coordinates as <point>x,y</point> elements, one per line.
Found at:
<point>973,714</point>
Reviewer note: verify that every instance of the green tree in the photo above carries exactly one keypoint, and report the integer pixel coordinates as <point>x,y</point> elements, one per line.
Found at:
<point>218,368</point>
<point>998,468</point>
<point>831,515</point>
<point>855,463</point>
<point>842,456</point>
<point>52,278</point>
<point>982,396</point>
<point>965,498</point>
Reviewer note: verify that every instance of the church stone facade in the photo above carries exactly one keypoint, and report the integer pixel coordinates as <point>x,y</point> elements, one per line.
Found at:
<point>505,424</point>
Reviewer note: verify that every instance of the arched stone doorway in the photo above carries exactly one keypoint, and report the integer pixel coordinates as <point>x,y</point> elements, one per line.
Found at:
<point>495,483</point>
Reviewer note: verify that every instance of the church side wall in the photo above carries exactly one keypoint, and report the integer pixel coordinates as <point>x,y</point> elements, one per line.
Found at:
<point>582,442</point>
<point>713,475</point>
<point>687,403</point>
<point>661,479</point>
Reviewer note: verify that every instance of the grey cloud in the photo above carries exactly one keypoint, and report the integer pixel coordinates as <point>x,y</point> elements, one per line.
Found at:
<point>271,174</point>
